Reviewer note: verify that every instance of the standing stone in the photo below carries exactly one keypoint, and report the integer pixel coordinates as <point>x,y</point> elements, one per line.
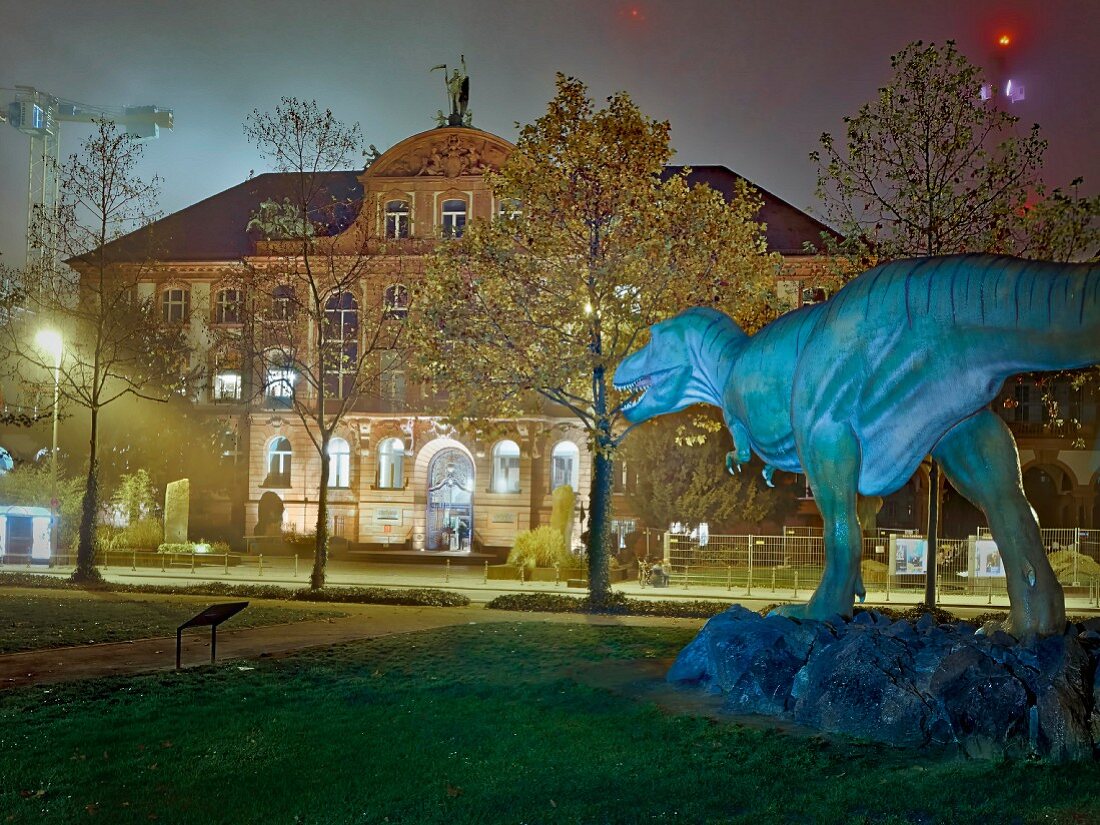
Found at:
<point>177,501</point>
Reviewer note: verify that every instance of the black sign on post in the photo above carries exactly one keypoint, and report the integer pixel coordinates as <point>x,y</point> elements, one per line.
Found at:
<point>212,616</point>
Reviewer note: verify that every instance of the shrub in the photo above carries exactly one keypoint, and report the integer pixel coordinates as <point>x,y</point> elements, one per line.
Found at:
<point>561,514</point>
<point>541,547</point>
<point>414,597</point>
<point>179,547</point>
<point>617,604</point>
<point>142,534</point>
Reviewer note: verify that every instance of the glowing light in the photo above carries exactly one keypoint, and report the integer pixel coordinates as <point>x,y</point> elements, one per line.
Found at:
<point>1004,40</point>
<point>49,341</point>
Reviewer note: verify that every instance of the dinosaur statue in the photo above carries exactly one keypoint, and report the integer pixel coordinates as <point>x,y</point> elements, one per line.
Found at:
<point>854,392</point>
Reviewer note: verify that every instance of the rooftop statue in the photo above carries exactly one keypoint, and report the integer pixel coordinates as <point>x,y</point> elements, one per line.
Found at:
<point>854,392</point>
<point>458,94</point>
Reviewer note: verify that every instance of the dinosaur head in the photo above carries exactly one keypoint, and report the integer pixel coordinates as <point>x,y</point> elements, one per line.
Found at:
<point>677,367</point>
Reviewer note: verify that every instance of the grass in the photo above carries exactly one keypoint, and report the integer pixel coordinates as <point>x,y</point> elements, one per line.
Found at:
<point>36,620</point>
<point>471,724</point>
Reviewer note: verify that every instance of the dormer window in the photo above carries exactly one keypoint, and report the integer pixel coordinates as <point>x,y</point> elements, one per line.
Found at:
<point>397,219</point>
<point>453,218</point>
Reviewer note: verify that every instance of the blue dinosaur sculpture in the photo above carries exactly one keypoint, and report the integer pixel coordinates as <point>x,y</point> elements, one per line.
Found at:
<point>854,392</point>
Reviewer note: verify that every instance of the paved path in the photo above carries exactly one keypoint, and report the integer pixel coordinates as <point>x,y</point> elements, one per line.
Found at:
<point>365,622</point>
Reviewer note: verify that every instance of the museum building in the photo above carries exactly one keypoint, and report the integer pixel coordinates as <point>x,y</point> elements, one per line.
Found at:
<point>400,476</point>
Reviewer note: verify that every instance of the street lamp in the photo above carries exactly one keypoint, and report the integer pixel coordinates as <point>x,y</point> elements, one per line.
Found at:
<point>49,341</point>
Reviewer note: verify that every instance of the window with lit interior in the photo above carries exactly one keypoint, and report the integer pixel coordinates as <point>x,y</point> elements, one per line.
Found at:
<point>339,463</point>
<point>506,467</point>
<point>453,218</point>
<point>564,465</point>
<point>391,464</point>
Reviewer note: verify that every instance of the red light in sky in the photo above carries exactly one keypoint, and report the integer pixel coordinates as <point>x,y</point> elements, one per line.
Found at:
<point>1004,40</point>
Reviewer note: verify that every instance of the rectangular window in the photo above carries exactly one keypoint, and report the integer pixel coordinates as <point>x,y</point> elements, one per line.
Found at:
<point>227,386</point>
<point>454,218</point>
<point>506,474</point>
<point>392,389</point>
<point>280,386</point>
<point>175,305</point>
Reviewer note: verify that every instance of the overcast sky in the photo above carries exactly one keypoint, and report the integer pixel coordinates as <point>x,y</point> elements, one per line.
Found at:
<point>749,84</point>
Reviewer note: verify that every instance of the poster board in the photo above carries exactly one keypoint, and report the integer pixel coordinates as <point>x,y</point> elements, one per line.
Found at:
<point>908,556</point>
<point>987,559</point>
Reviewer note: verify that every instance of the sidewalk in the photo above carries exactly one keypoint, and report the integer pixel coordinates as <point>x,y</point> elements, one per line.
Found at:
<point>365,622</point>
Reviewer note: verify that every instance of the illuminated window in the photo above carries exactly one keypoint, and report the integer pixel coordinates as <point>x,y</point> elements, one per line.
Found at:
<point>395,301</point>
<point>391,464</point>
<point>339,466</point>
<point>564,465</point>
<point>397,219</point>
<point>454,218</point>
<point>227,386</point>
<point>227,307</point>
<point>279,460</point>
<point>506,467</point>
<point>814,295</point>
<point>175,305</point>
<point>279,386</point>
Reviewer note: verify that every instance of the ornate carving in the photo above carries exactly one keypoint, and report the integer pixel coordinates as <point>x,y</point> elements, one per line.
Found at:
<point>448,156</point>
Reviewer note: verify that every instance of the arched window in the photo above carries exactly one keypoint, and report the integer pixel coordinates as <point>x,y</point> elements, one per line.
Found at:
<point>506,467</point>
<point>279,459</point>
<point>341,344</point>
<point>227,307</point>
<point>395,301</point>
<point>453,218</point>
<point>564,465</point>
<point>391,464</point>
<point>175,305</point>
<point>282,303</point>
<point>397,219</point>
<point>339,463</point>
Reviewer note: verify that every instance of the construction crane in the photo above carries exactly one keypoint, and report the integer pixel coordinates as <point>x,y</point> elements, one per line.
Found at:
<point>39,115</point>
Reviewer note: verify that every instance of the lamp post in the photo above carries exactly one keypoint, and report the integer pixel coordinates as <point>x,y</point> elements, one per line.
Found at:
<point>49,341</point>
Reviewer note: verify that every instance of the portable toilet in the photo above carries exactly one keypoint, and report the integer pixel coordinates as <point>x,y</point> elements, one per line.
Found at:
<point>25,533</point>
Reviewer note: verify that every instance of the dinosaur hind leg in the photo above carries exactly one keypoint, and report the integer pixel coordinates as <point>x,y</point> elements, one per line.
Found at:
<point>831,458</point>
<point>979,457</point>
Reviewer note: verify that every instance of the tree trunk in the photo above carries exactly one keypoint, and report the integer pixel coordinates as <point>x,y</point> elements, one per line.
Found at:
<point>599,519</point>
<point>320,554</point>
<point>86,571</point>
<point>933,532</point>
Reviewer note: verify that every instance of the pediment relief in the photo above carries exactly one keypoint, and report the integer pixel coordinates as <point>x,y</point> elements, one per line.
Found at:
<point>446,153</point>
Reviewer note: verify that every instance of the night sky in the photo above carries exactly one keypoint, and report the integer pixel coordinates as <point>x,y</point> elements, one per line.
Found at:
<point>750,84</point>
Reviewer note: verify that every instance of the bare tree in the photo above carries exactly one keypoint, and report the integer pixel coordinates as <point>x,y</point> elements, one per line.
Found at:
<point>113,339</point>
<point>318,323</point>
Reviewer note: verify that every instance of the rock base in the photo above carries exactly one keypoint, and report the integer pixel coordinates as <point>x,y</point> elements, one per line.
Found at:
<point>906,684</point>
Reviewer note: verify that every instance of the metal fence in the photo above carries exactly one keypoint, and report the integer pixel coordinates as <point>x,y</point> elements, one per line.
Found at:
<point>790,566</point>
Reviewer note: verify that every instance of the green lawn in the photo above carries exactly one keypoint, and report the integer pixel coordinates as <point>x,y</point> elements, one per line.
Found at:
<point>35,620</point>
<point>472,724</point>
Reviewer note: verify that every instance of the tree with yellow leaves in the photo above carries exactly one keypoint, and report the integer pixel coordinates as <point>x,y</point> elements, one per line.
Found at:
<point>593,243</point>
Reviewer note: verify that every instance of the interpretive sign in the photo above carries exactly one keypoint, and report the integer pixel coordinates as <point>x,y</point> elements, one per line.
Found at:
<point>212,617</point>
<point>987,559</point>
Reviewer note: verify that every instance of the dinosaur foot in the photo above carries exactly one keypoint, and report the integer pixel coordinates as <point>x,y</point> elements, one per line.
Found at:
<point>819,609</point>
<point>1027,626</point>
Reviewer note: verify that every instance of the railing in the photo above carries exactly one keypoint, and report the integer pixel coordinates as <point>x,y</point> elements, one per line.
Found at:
<point>790,566</point>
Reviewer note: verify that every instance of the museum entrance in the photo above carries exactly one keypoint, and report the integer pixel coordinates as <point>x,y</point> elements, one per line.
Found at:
<point>450,501</point>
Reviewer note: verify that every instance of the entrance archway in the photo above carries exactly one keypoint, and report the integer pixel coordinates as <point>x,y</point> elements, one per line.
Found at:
<point>450,516</point>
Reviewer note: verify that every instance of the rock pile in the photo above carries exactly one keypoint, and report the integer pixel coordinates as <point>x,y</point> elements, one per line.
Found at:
<point>907,684</point>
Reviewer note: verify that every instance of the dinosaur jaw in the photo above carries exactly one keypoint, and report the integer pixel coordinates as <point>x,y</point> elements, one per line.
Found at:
<point>656,393</point>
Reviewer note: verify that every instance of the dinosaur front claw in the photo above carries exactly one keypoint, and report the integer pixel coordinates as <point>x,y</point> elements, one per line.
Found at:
<point>769,471</point>
<point>732,464</point>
